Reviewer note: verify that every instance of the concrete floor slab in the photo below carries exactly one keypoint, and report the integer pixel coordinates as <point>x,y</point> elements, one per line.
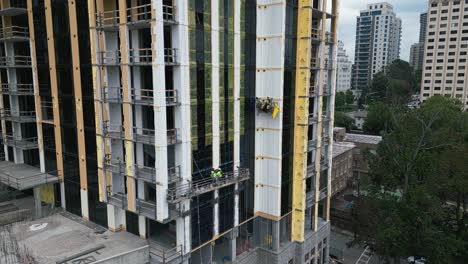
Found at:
<point>62,237</point>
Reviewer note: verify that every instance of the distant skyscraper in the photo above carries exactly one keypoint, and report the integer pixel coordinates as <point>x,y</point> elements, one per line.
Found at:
<point>417,49</point>
<point>445,68</point>
<point>343,68</point>
<point>422,27</point>
<point>416,55</point>
<point>378,33</point>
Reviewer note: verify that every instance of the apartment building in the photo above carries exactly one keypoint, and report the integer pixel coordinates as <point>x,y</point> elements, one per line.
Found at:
<point>378,36</point>
<point>417,50</point>
<point>177,121</point>
<point>445,70</point>
<point>343,68</point>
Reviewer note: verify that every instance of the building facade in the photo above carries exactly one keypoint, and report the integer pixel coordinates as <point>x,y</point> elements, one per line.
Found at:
<point>417,50</point>
<point>378,36</point>
<point>445,70</point>
<point>343,68</point>
<point>342,170</point>
<point>177,121</point>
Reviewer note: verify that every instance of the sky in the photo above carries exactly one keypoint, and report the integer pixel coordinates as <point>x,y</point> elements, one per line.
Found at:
<point>407,10</point>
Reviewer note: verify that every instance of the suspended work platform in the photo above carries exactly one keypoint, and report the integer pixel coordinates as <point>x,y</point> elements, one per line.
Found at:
<point>191,189</point>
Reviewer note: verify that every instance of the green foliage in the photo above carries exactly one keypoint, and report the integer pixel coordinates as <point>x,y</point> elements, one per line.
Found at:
<point>349,97</point>
<point>344,101</point>
<point>379,119</point>
<point>343,120</point>
<point>394,85</point>
<point>424,158</point>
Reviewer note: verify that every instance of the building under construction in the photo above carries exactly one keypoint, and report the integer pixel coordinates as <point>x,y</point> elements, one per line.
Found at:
<point>204,126</point>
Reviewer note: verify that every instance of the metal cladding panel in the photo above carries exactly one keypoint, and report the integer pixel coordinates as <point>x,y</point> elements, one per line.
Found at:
<point>266,146</point>
<point>265,121</point>
<point>270,53</point>
<point>271,202</point>
<point>271,21</point>
<point>270,47</point>
<point>270,172</point>
<point>269,83</point>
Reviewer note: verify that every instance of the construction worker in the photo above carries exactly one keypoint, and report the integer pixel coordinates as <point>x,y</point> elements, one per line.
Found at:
<point>213,174</point>
<point>219,173</point>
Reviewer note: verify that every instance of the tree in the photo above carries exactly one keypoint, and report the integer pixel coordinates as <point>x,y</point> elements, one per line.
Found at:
<point>394,85</point>
<point>343,120</point>
<point>379,119</point>
<point>349,97</point>
<point>417,195</point>
<point>340,100</point>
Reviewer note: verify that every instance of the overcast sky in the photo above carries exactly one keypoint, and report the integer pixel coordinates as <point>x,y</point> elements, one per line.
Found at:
<point>407,10</point>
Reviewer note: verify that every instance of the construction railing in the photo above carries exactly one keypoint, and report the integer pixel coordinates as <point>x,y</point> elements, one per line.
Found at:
<point>107,19</point>
<point>173,136</point>
<point>174,174</point>
<point>316,34</point>
<point>146,208</point>
<point>47,109</point>
<point>148,174</point>
<point>330,37</point>
<point>190,189</point>
<point>310,196</point>
<point>314,63</point>
<point>114,165</point>
<point>109,57</point>
<point>172,97</point>
<point>112,94</point>
<point>170,56</point>
<point>14,4</point>
<point>22,183</point>
<point>18,116</point>
<point>169,12</point>
<point>17,89</point>
<point>163,254</point>
<point>142,56</point>
<point>14,32</point>
<point>144,135</point>
<point>113,131</point>
<point>117,199</point>
<point>22,143</point>
<point>15,61</point>
<point>142,96</point>
<point>139,13</point>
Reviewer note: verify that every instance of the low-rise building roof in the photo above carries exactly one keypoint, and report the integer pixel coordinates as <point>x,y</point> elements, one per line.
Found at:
<point>360,138</point>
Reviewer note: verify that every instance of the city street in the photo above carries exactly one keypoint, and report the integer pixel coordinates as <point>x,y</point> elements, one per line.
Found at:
<point>339,249</point>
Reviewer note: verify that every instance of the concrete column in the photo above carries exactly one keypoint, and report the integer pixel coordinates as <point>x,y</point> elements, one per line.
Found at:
<point>183,233</point>
<point>142,227</point>
<point>275,230</point>
<point>115,218</point>
<point>62,195</point>
<point>84,204</point>
<point>215,104</point>
<point>183,151</point>
<point>37,201</point>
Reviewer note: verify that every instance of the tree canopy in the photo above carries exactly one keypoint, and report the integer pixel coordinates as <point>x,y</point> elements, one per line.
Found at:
<point>417,190</point>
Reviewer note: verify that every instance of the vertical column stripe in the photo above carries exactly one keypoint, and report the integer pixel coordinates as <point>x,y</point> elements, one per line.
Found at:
<point>320,112</point>
<point>75,49</point>
<point>127,108</point>
<point>37,97</point>
<point>215,103</point>
<point>301,114</point>
<point>54,89</point>
<point>236,118</point>
<point>334,34</point>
